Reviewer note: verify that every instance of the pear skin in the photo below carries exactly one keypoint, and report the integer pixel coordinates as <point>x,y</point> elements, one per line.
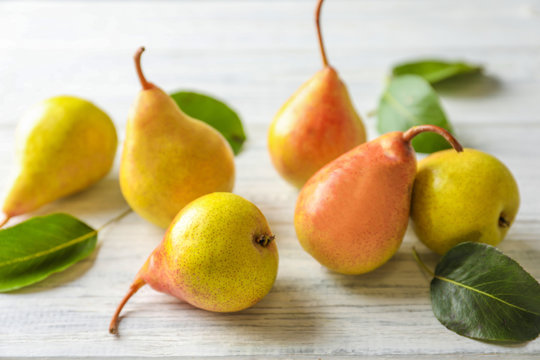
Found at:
<point>64,145</point>
<point>315,126</point>
<point>170,158</point>
<point>470,196</point>
<point>352,214</point>
<point>218,255</point>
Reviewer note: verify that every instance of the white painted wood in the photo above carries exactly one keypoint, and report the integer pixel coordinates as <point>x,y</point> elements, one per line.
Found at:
<point>254,54</point>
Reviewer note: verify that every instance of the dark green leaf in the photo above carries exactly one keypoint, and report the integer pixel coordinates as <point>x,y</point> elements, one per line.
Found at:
<point>33,250</point>
<point>435,71</point>
<point>481,293</point>
<point>215,113</point>
<point>409,100</point>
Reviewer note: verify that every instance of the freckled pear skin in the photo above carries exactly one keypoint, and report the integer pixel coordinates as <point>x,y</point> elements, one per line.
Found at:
<point>316,125</point>
<point>218,254</point>
<point>470,196</point>
<point>351,216</point>
<point>64,145</point>
<point>169,158</point>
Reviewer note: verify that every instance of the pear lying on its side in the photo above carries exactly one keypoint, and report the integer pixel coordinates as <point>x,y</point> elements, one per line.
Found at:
<point>169,158</point>
<point>218,254</point>
<point>64,144</point>
<point>352,214</point>
<point>470,196</point>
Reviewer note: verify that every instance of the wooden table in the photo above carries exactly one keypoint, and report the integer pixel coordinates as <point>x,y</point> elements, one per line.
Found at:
<point>254,54</point>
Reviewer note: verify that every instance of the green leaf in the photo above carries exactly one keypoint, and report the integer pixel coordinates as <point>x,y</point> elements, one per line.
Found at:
<point>215,113</point>
<point>435,71</point>
<point>34,249</point>
<point>481,293</point>
<point>408,101</point>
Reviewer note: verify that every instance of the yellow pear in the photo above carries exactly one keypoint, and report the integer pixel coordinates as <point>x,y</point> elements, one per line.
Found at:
<point>458,197</point>
<point>64,144</point>
<point>316,125</point>
<point>169,158</point>
<point>218,254</point>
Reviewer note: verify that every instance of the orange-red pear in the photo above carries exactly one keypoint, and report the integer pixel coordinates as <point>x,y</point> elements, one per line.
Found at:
<point>315,126</point>
<point>351,216</point>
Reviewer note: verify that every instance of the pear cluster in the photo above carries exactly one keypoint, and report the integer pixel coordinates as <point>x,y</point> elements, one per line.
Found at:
<point>218,252</point>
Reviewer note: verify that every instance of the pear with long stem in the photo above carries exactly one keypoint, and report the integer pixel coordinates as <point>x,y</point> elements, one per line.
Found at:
<point>316,125</point>
<point>169,158</point>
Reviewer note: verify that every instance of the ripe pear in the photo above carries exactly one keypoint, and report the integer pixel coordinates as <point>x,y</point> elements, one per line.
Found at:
<point>315,126</point>
<point>470,196</point>
<point>351,216</point>
<point>218,255</point>
<point>169,158</point>
<point>64,144</point>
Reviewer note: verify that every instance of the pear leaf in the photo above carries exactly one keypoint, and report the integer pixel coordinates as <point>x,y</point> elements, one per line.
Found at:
<point>36,248</point>
<point>215,113</point>
<point>479,292</point>
<point>434,71</point>
<point>408,101</point>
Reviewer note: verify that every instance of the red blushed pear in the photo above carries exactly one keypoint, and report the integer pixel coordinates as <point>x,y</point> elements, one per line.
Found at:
<point>351,216</point>
<point>218,254</point>
<point>315,126</point>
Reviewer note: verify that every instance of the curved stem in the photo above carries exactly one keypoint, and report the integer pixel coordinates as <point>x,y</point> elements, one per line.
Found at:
<point>421,263</point>
<point>415,130</point>
<point>145,84</point>
<point>137,284</point>
<point>319,34</point>
<point>4,222</point>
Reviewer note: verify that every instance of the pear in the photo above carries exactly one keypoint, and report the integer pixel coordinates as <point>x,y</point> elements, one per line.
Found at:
<point>218,254</point>
<point>470,196</point>
<point>64,144</point>
<point>169,158</point>
<point>351,216</point>
<point>316,125</point>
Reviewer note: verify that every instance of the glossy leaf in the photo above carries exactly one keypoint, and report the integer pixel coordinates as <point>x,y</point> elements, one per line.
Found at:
<point>215,113</point>
<point>435,71</point>
<point>34,249</point>
<point>481,293</point>
<point>408,101</point>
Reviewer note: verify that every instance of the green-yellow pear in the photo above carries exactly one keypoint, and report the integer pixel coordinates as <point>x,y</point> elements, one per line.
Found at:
<point>218,254</point>
<point>64,144</point>
<point>315,126</point>
<point>169,158</point>
<point>351,215</point>
<point>470,196</point>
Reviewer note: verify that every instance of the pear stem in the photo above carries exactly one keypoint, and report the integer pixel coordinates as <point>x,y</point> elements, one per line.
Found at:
<point>137,284</point>
<point>319,34</point>
<point>415,130</point>
<point>145,84</point>
<point>4,222</point>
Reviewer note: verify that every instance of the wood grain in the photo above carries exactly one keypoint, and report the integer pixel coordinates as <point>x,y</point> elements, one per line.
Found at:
<point>254,54</point>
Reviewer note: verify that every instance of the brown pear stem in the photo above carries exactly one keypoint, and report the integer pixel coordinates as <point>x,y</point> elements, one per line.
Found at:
<point>4,222</point>
<point>137,284</point>
<point>145,84</point>
<point>319,34</point>
<point>415,130</point>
